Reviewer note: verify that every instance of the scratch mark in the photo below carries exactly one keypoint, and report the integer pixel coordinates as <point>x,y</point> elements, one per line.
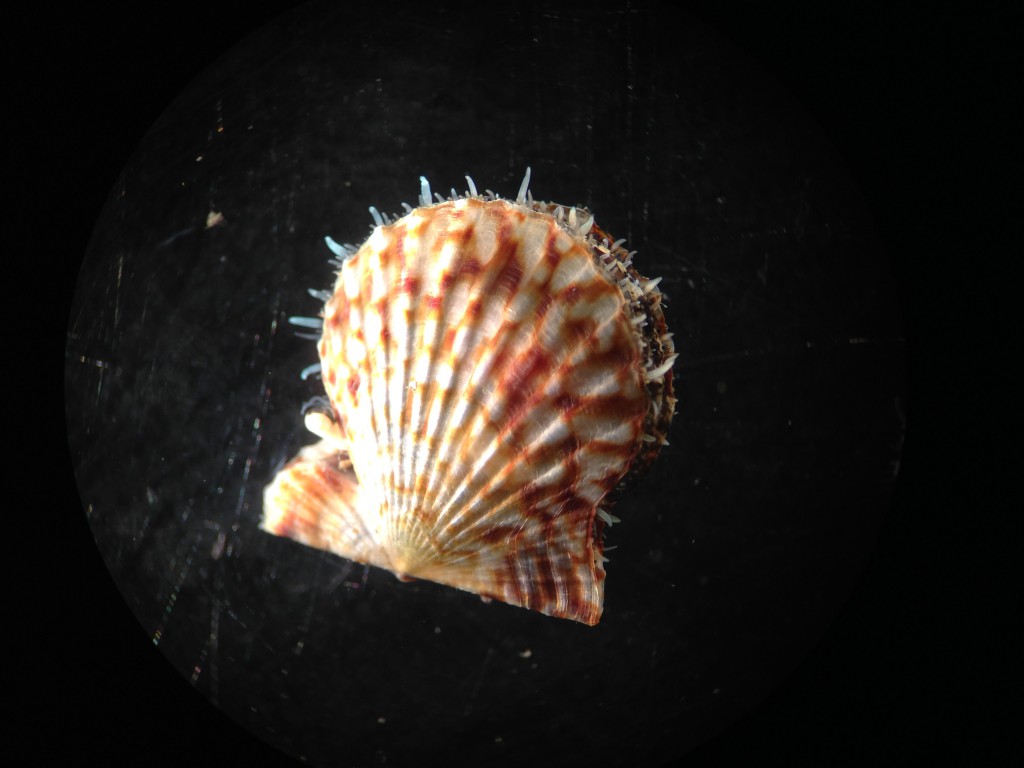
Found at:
<point>174,236</point>
<point>176,590</point>
<point>308,618</point>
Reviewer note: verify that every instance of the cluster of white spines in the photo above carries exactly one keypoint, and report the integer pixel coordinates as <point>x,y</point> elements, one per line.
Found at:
<point>639,294</point>
<point>428,198</point>
<point>605,253</point>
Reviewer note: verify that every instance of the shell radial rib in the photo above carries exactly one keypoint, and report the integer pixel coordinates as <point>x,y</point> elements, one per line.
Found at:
<point>495,369</point>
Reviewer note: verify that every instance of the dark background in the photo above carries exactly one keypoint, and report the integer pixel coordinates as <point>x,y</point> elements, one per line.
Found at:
<point>920,95</point>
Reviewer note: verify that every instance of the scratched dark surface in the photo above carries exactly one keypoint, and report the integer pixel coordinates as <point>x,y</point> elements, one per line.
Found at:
<point>183,394</point>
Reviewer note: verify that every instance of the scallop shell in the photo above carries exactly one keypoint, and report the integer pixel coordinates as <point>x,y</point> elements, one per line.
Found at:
<point>495,370</point>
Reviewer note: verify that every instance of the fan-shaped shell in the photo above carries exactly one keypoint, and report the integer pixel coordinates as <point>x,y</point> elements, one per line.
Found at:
<point>494,371</point>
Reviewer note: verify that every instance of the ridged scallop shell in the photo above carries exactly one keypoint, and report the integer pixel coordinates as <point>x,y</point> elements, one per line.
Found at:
<point>495,370</point>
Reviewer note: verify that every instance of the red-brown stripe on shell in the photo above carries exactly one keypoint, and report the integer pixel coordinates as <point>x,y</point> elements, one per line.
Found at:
<point>496,370</point>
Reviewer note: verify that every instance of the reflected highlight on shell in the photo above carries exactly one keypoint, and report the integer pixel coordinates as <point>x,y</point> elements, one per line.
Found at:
<point>496,371</point>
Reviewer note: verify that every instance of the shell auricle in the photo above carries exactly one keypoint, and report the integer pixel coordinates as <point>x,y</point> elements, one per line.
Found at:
<point>495,371</point>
